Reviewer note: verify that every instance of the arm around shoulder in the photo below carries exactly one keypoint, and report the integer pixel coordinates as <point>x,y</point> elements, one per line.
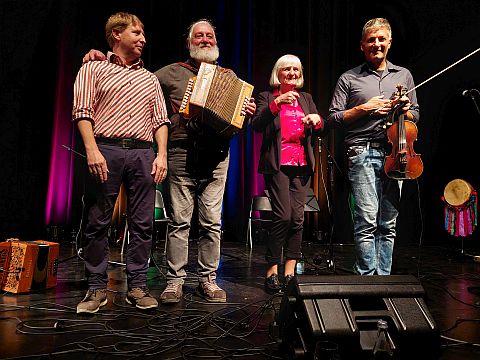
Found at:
<point>93,55</point>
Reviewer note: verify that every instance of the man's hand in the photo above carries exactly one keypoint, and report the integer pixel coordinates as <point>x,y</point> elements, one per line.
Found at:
<point>250,107</point>
<point>378,105</point>
<point>93,55</point>
<point>97,165</point>
<point>405,101</point>
<point>159,168</point>
<point>312,120</point>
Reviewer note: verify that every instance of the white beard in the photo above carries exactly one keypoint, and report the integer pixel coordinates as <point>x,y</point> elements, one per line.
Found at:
<point>208,54</point>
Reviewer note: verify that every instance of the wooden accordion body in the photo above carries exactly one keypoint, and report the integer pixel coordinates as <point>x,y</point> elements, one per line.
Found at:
<point>218,97</point>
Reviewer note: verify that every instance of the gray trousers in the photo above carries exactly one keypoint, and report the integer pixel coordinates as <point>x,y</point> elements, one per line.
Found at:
<point>195,177</point>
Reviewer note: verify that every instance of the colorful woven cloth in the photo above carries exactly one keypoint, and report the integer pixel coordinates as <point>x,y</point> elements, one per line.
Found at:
<point>461,220</point>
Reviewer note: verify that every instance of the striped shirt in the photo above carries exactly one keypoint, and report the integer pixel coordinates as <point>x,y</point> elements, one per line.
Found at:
<point>121,101</point>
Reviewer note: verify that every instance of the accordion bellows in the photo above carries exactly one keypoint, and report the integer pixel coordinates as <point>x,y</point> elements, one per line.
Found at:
<point>218,97</point>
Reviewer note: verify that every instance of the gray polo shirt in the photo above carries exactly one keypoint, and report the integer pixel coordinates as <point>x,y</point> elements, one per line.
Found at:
<point>356,87</point>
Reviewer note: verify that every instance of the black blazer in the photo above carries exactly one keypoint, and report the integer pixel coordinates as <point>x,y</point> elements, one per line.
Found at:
<point>267,123</point>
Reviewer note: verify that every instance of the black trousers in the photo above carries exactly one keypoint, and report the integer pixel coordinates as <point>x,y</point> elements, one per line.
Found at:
<point>132,167</point>
<point>288,190</point>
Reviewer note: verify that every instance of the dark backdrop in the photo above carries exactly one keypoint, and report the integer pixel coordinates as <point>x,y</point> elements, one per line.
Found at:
<point>42,41</point>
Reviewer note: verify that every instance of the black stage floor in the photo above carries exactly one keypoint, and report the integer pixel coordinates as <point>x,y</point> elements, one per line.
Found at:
<point>44,324</point>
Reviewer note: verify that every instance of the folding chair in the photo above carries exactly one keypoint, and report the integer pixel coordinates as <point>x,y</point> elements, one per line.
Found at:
<point>259,203</point>
<point>161,216</point>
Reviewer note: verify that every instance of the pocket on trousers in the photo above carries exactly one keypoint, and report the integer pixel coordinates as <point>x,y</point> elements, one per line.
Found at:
<point>353,151</point>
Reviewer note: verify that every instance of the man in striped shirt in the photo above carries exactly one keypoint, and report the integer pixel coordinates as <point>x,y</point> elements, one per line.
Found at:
<point>119,110</point>
<point>198,161</point>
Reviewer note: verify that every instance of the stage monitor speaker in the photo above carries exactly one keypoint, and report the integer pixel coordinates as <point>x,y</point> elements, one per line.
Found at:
<point>345,310</point>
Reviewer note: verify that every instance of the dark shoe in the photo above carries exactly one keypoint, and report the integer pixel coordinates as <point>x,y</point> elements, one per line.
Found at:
<point>272,284</point>
<point>211,292</point>
<point>93,300</point>
<point>286,281</point>
<point>141,298</point>
<point>172,294</point>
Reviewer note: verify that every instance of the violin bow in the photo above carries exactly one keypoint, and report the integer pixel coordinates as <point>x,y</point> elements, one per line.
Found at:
<point>442,71</point>
<point>437,74</point>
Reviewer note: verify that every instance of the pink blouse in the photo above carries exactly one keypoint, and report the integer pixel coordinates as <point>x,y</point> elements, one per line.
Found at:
<point>292,131</point>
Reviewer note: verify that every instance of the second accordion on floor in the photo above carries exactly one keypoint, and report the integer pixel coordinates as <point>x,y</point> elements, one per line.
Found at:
<point>218,97</point>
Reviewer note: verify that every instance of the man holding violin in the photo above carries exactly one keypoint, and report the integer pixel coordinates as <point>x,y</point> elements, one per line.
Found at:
<point>361,103</point>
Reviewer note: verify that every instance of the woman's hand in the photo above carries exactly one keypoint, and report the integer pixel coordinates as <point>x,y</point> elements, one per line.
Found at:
<point>312,120</point>
<point>288,98</point>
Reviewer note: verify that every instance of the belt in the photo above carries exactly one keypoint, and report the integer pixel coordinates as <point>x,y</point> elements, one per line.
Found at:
<point>375,145</point>
<point>353,150</point>
<point>183,143</point>
<point>125,143</point>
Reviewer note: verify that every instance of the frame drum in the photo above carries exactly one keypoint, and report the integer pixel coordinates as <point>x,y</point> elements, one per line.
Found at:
<point>457,192</point>
<point>460,213</point>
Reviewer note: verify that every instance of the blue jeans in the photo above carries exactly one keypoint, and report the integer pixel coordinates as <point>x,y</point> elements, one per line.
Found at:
<point>198,177</point>
<point>375,210</point>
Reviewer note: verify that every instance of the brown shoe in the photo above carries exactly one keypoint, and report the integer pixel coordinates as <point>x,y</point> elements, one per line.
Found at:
<point>211,292</point>
<point>93,300</point>
<point>172,294</point>
<point>141,298</point>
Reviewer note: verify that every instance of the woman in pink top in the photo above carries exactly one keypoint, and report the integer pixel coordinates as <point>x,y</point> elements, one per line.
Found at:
<point>287,118</point>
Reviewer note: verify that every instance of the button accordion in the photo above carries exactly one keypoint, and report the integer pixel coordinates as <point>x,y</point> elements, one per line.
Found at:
<point>28,265</point>
<point>217,97</point>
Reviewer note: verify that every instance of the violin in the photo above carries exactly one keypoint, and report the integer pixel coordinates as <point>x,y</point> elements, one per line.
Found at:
<point>402,163</point>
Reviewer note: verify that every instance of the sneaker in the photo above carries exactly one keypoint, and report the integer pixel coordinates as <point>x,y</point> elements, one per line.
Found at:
<point>141,298</point>
<point>172,294</point>
<point>93,300</point>
<point>211,292</point>
<point>272,284</point>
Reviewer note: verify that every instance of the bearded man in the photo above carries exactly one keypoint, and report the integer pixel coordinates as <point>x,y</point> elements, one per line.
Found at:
<point>198,162</point>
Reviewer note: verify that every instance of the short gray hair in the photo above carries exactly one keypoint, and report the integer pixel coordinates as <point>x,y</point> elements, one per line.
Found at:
<point>283,62</point>
<point>376,24</point>
<point>192,25</point>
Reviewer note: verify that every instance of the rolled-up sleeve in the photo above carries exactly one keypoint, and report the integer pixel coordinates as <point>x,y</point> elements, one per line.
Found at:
<point>160,115</point>
<point>339,101</point>
<point>84,94</point>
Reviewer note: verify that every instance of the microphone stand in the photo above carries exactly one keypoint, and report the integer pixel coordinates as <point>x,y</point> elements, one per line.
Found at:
<point>471,96</point>
<point>331,164</point>
<point>79,250</point>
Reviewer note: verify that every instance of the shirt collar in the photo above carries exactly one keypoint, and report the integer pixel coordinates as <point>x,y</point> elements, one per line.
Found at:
<point>389,67</point>
<point>117,60</point>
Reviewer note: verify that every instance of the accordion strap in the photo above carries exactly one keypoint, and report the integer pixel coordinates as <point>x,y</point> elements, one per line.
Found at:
<point>195,70</point>
<point>188,66</point>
